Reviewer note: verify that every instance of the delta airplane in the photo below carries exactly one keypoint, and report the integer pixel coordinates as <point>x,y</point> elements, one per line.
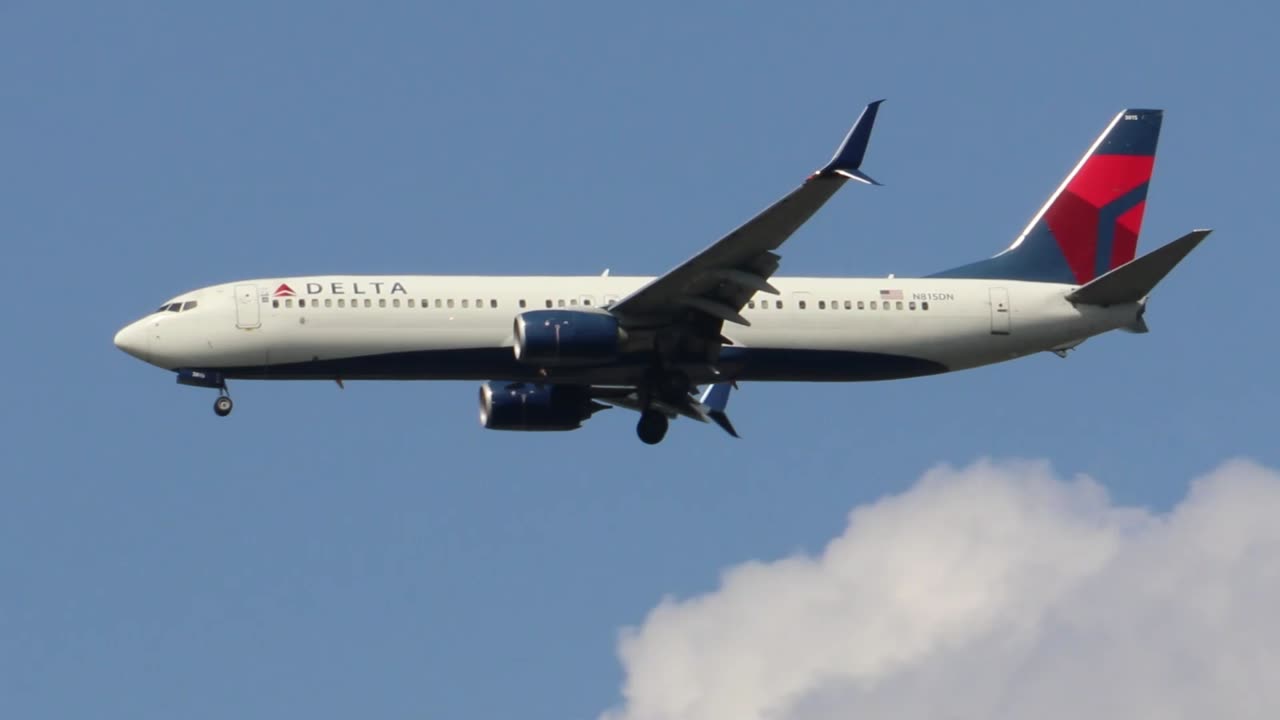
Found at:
<point>555,350</point>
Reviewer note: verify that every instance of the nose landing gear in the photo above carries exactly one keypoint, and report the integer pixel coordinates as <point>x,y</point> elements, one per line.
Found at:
<point>208,379</point>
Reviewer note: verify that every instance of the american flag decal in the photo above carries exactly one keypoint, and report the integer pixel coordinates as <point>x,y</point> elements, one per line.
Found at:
<point>890,294</point>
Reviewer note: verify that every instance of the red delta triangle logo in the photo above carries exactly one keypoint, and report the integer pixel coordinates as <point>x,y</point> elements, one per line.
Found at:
<point>284,291</point>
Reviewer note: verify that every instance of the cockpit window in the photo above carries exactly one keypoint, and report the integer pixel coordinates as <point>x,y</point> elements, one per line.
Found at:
<point>177,306</point>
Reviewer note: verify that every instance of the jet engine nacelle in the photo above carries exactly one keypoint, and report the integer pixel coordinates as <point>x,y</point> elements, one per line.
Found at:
<point>521,406</point>
<point>550,338</point>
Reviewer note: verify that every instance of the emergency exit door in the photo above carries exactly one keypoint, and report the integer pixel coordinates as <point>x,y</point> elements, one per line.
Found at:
<point>247,306</point>
<point>1000,320</point>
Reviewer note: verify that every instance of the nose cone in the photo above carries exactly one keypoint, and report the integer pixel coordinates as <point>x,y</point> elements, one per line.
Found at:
<point>133,339</point>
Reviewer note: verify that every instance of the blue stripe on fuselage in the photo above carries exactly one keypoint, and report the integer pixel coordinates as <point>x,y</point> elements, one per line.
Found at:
<point>500,364</point>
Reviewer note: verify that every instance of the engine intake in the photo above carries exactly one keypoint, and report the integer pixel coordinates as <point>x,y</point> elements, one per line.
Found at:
<point>550,338</point>
<point>521,406</point>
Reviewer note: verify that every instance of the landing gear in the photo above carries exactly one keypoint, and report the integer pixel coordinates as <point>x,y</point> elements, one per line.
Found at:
<point>652,427</point>
<point>222,406</point>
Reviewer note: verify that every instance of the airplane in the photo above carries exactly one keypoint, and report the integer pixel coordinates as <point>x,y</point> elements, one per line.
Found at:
<point>553,351</point>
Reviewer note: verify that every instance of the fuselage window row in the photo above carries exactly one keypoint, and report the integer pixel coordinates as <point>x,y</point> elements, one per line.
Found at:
<point>355,303</point>
<point>425,304</point>
<point>848,305</point>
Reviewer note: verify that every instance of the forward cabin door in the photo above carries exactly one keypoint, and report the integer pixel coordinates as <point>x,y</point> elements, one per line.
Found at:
<point>1000,321</point>
<point>247,306</point>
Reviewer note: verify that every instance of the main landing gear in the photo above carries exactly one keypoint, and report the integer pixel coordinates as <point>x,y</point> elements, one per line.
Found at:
<point>652,427</point>
<point>671,388</point>
<point>222,406</point>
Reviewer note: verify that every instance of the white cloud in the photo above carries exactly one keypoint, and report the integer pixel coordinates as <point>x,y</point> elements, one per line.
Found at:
<point>995,591</point>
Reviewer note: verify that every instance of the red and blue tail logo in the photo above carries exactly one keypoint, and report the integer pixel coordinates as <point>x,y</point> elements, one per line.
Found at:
<point>1091,224</point>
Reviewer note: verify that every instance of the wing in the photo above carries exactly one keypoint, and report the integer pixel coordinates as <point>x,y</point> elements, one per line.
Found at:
<point>690,303</point>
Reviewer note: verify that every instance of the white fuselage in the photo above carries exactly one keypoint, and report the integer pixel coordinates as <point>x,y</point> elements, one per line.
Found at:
<point>457,327</point>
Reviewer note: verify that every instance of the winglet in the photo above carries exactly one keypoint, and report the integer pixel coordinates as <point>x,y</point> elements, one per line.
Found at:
<point>1137,278</point>
<point>848,158</point>
<point>715,399</point>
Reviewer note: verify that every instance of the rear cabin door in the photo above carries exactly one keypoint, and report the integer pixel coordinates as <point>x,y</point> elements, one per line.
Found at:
<point>1000,320</point>
<point>247,306</point>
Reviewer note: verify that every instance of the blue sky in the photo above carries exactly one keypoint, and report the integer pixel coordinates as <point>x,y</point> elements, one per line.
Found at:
<point>373,551</point>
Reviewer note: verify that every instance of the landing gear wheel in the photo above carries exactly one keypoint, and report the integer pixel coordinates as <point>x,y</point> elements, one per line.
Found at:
<point>222,406</point>
<point>652,427</point>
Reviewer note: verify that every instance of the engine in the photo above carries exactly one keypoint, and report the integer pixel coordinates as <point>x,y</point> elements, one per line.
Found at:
<point>550,338</point>
<point>521,406</point>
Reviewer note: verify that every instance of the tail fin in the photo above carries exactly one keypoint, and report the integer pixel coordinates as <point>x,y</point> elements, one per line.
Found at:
<point>1090,224</point>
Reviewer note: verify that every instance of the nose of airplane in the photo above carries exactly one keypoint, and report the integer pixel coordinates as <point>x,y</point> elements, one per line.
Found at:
<point>133,339</point>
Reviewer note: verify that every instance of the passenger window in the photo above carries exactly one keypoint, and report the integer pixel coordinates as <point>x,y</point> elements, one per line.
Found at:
<point>835,304</point>
<point>368,302</point>
<point>778,304</point>
<point>924,306</point>
<point>409,302</point>
<point>450,302</point>
<point>493,303</point>
<point>848,305</point>
<point>395,302</point>
<point>548,303</point>
<point>560,303</point>
<point>873,304</point>
<point>288,303</point>
<point>911,305</point>
<point>275,303</point>
<point>899,304</point>
<point>573,302</point>
<point>764,304</point>
<point>885,305</point>
<point>801,304</point>
<point>328,302</point>
<point>822,304</point>
<point>586,301</point>
<point>382,302</point>
<point>861,306</point>
<point>751,304</point>
<point>523,303</point>
<point>464,302</point>
<point>342,302</point>
<point>437,303</point>
<point>188,305</point>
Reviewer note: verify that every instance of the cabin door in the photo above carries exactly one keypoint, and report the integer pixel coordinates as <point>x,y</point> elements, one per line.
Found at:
<point>247,306</point>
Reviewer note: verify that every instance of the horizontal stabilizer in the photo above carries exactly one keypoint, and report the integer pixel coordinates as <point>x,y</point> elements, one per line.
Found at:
<point>1134,280</point>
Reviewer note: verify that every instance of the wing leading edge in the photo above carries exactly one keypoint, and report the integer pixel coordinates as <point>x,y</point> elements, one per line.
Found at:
<point>713,286</point>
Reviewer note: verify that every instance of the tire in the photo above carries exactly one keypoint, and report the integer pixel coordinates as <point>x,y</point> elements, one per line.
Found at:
<point>222,406</point>
<point>652,427</point>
